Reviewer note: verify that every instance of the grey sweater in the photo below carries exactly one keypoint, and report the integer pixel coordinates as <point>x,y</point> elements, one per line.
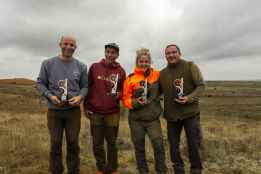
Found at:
<point>53,70</point>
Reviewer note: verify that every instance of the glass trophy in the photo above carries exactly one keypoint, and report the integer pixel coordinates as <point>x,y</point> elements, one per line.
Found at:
<point>144,95</point>
<point>63,87</point>
<point>178,87</point>
<point>114,80</point>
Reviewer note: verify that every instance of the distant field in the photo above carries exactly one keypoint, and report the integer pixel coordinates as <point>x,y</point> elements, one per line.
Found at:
<point>18,81</point>
<point>231,123</point>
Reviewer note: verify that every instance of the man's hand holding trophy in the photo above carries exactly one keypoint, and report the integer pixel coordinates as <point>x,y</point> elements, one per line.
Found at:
<point>63,88</point>
<point>61,100</point>
<point>179,90</point>
<point>55,100</point>
<point>64,98</point>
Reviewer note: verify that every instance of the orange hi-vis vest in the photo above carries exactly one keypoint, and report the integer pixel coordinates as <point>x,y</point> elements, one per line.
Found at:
<point>133,82</point>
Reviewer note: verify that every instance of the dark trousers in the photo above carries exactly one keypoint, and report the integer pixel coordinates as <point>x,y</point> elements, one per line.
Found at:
<point>194,137</point>
<point>58,122</point>
<point>105,127</point>
<point>153,130</point>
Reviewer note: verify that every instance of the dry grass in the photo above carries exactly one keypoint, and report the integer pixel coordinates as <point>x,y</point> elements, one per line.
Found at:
<point>230,146</point>
<point>231,127</point>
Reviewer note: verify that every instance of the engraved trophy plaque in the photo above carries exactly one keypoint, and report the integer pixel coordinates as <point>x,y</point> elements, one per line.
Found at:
<point>63,87</point>
<point>178,87</point>
<point>144,95</point>
<point>114,80</point>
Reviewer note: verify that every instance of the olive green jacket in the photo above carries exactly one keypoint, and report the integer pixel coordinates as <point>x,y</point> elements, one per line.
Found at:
<point>193,88</point>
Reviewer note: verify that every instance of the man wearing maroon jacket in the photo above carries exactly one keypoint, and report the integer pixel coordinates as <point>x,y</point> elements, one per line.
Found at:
<point>102,107</point>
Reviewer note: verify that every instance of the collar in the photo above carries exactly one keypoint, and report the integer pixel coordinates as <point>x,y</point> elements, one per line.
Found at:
<point>141,71</point>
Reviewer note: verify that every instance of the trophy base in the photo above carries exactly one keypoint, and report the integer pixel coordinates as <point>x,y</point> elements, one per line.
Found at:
<point>65,103</point>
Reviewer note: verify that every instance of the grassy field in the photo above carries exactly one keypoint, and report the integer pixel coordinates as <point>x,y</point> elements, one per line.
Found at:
<point>231,124</point>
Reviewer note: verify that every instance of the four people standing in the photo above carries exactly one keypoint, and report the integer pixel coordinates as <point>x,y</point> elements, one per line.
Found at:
<point>63,80</point>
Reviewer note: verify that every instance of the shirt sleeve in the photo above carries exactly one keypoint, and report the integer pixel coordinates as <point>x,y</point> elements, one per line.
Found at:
<point>199,83</point>
<point>42,82</point>
<point>90,80</point>
<point>127,94</point>
<point>84,82</point>
<point>121,85</point>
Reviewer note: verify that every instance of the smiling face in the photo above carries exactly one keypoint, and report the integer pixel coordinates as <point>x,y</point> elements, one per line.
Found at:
<point>143,61</point>
<point>111,54</point>
<point>68,46</point>
<point>172,54</point>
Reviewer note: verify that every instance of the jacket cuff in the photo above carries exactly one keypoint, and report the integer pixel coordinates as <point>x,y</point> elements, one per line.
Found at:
<point>48,95</point>
<point>82,96</point>
<point>191,99</point>
<point>83,92</point>
<point>136,104</point>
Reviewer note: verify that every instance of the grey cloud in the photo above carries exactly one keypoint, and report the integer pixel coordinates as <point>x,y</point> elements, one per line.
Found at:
<point>205,30</point>
<point>214,26</point>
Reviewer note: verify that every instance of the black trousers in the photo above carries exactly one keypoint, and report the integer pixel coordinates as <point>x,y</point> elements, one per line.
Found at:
<point>194,137</point>
<point>58,122</point>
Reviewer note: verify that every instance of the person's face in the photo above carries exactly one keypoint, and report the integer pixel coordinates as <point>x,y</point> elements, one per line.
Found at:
<point>172,54</point>
<point>111,54</point>
<point>68,46</point>
<point>143,62</point>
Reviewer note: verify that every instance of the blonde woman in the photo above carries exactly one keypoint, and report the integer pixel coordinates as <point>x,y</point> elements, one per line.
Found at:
<point>141,97</point>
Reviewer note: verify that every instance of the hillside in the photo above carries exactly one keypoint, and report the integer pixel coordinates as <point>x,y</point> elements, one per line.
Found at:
<point>17,81</point>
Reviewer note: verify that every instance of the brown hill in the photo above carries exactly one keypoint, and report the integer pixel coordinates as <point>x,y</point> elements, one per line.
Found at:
<point>17,81</point>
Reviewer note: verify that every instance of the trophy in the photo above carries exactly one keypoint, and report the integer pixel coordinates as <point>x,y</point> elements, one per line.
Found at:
<point>178,86</point>
<point>63,87</point>
<point>114,80</point>
<point>144,95</point>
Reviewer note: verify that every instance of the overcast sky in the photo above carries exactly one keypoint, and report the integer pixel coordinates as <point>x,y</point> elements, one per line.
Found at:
<point>223,37</point>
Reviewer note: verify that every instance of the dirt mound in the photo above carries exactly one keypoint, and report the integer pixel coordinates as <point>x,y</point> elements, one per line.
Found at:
<point>17,81</point>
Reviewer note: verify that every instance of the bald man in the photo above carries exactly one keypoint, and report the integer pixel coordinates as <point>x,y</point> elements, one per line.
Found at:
<point>63,82</point>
